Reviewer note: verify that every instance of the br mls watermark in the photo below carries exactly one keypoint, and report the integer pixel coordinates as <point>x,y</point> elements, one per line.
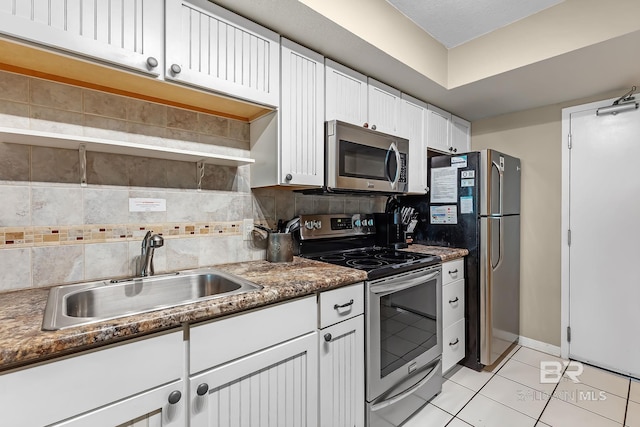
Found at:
<point>551,371</point>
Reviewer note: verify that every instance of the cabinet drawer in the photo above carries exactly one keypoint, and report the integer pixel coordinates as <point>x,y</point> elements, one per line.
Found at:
<point>452,303</point>
<point>452,271</point>
<point>341,304</point>
<point>453,344</point>
<point>221,341</point>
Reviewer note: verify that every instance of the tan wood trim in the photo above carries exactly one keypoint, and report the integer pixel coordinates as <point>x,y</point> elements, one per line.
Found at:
<point>37,62</point>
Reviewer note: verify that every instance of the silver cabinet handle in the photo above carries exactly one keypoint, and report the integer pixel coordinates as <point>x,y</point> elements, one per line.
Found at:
<point>346,304</point>
<point>176,69</point>
<point>455,342</point>
<point>328,337</point>
<point>174,397</point>
<point>288,177</point>
<point>373,127</point>
<point>152,62</point>
<point>453,301</point>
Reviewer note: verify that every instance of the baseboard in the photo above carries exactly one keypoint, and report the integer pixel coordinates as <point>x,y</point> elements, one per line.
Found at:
<point>553,350</point>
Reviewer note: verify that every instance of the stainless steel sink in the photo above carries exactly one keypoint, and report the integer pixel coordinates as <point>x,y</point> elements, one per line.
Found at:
<point>84,303</point>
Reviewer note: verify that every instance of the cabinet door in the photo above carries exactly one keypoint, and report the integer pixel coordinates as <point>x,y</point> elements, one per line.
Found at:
<point>150,409</point>
<point>96,379</point>
<point>346,94</point>
<point>301,116</point>
<point>453,345</point>
<point>123,32</point>
<point>342,374</point>
<point>413,126</point>
<point>210,47</point>
<point>439,130</point>
<point>274,387</point>
<point>460,135</point>
<point>384,104</point>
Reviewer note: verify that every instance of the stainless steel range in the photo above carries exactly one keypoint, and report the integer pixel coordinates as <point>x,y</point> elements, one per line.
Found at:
<point>403,312</point>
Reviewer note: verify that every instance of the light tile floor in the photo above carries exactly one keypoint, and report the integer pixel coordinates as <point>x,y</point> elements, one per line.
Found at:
<point>518,392</point>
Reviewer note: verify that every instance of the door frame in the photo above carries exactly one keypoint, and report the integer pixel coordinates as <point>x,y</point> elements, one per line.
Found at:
<point>564,223</point>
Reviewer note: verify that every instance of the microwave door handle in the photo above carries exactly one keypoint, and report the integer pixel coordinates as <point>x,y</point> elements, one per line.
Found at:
<point>394,182</point>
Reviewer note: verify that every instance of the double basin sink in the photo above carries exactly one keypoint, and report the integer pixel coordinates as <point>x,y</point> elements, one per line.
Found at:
<point>92,302</point>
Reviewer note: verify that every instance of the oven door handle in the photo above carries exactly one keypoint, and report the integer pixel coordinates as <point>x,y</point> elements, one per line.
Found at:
<point>398,397</point>
<point>399,285</point>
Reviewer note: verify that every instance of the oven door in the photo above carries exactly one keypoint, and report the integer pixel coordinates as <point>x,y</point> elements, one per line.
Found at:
<point>359,159</point>
<point>404,335</point>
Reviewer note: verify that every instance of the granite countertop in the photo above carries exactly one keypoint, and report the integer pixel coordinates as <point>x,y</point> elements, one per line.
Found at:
<point>445,254</point>
<point>21,312</point>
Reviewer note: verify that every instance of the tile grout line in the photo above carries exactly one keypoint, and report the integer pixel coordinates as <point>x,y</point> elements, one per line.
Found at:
<point>493,374</point>
<point>550,397</point>
<point>626,408</point>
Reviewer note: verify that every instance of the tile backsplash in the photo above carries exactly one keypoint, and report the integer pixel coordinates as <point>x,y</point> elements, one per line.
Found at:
<point>55,231</point>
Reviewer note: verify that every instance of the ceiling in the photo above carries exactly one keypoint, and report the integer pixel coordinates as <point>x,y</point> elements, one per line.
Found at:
<point>604,65</point>
<point>455,22</point>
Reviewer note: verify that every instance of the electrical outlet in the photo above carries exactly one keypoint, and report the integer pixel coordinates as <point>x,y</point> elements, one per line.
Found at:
<point>247,228</point>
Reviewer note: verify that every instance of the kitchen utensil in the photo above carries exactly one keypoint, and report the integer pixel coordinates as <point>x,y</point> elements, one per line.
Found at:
<point>290,224</point>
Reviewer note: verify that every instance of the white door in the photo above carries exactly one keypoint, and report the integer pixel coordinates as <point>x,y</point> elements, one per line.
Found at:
<point>301,116</point>
<point>604,218</point>
<point>342,374</point>
<point>123,32</point>
<point>215,49</point>
<point>346,94</point>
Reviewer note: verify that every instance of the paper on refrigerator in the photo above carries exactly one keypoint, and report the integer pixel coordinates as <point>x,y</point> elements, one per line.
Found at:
<point>444,185</point>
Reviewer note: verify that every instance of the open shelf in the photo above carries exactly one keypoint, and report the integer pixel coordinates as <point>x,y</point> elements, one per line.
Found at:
<point>73,142</point>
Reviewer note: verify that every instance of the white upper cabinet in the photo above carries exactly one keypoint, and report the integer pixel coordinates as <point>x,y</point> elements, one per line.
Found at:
<point>346,94</point>
<point>128,33</point>
<point>302,115</point>
<point>384,104</point>
<point>439,125</point>
<point>413,126</point>
<point>460,135</point>
<point>212,48</point>
<point>447,133</point>
<point>361,101</point>
<point>289,144</point>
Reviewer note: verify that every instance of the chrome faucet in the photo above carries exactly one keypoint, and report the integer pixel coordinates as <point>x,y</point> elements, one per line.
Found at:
<point>149,244</point>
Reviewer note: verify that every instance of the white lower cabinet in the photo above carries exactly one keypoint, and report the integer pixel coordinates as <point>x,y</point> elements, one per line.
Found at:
<point>258,368</point>
<point>341,346</point>
<point>274,387</point>
<point>453,321</point>
<point>109,387</point>
<point>342,374</point>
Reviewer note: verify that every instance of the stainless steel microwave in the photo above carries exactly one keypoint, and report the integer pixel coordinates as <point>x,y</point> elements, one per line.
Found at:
<point>360,159</point>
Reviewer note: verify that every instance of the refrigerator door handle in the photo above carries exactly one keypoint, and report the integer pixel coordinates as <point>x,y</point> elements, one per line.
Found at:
<point>500,169</point>
<point>496,261</point>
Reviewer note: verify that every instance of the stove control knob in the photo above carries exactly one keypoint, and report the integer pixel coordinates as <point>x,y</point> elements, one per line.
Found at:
<point>318,225</point>
<point>370,223</point>
<point>308,225</point>
<point>356,223</point>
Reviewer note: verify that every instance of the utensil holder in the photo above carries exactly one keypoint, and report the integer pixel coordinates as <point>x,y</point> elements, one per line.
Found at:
<point>280,247</point>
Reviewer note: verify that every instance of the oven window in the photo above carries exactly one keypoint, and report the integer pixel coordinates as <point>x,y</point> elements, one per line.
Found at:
<point>408,325</point>
<point>363,161</point>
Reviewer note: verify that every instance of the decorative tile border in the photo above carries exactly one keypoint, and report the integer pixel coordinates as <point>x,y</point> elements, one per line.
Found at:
<point>20,237</point>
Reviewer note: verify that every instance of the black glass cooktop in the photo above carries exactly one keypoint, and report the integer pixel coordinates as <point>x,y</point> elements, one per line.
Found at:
<point>378,262</point>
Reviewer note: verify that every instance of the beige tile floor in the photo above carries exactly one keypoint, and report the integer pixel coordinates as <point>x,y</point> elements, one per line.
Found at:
<point>518,393</point>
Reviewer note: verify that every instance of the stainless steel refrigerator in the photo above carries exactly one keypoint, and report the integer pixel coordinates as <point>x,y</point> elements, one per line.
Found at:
<point>474,203</point>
